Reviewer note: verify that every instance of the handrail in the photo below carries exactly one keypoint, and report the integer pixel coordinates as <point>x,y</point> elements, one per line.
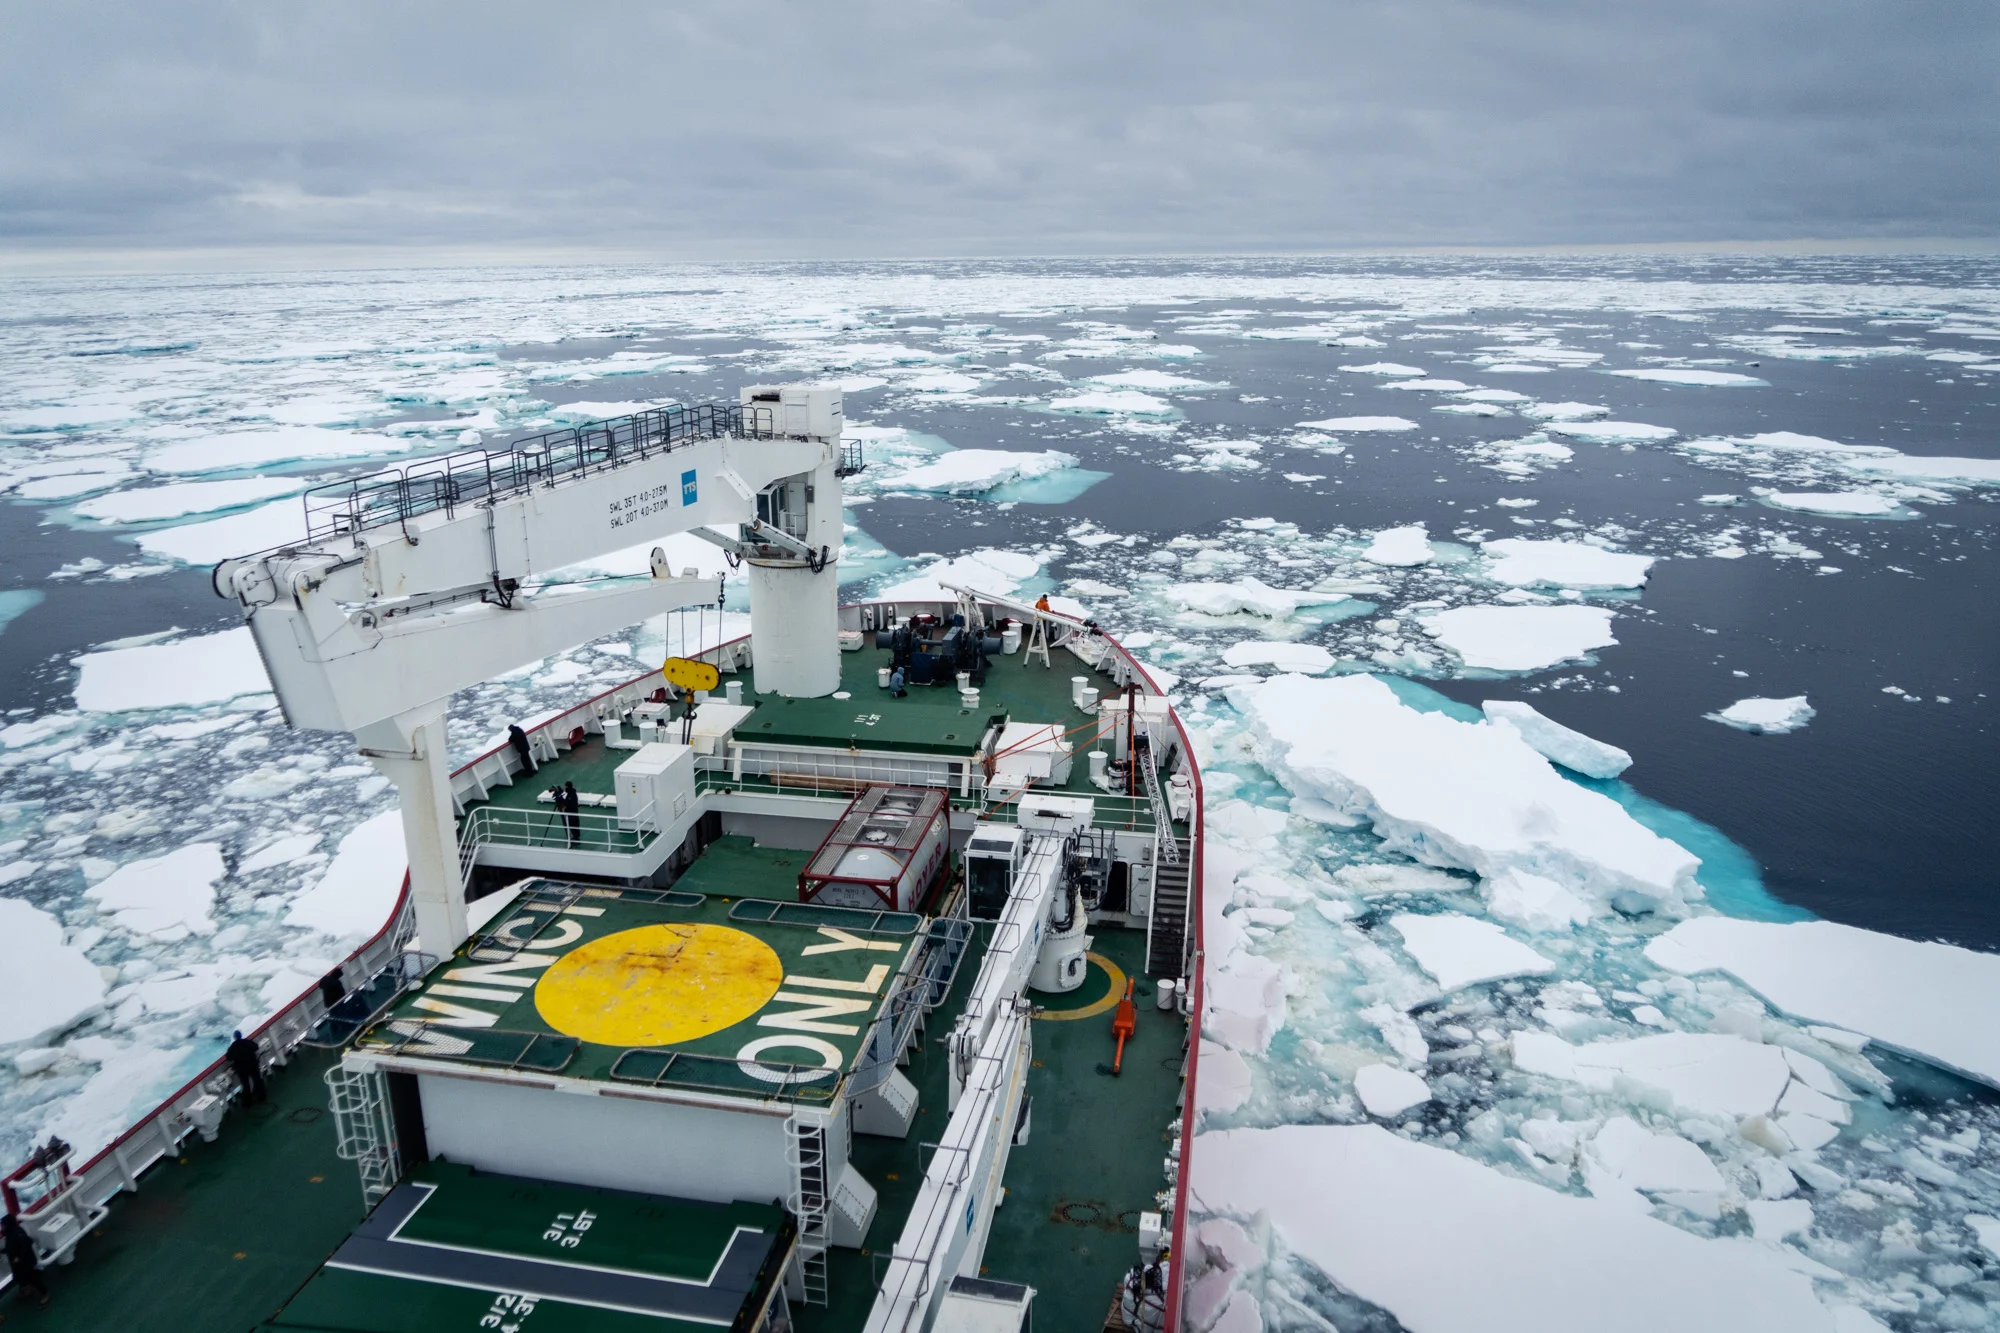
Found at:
<point>596,831</point>
<point>394,496</point>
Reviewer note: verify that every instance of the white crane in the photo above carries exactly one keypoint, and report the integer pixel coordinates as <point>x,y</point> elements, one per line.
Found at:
<point>419,582</point>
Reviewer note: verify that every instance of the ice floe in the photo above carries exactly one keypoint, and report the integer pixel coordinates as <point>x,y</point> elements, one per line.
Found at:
<point>46,985</point>
<point>1113,402</point>
<point>1520,638</point>
<point>208,668</point>
<point>164,897</point>
<point>1359,1202</point>
<point>1306,658</point>
<point>1360,425</point>
<point>1720,379</point>
<point>1709,1072</point>
<point>1400,546</point>
<point>989,571</point>
<point>969,471</point>
<point>1933,1001</point>
<point>1466,795</point>
<point>1386,1091</point>
<point>1523,563</point>
<point>1860,504</point>
<point>1552,740</point>
<point>1769,717</point>
<point>1246,596</point>
<point>1611,432</point>
<point>259,529</point>
<point>355,896</point>
<point>285,444</point>
<point>1460,951</point>
<point>179,499</point>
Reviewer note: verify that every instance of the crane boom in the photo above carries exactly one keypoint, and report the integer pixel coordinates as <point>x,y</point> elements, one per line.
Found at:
<point>417,583</point>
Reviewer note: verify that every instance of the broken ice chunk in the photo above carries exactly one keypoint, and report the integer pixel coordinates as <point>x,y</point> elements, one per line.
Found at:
<point>1551,739</point>
<point>1460,950</point>
<point>1387,1091</point>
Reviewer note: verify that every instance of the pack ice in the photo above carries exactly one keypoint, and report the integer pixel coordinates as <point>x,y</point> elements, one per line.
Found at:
<point>1552,740</point>
<point>1521,563</point>
<point>1933,1001</point>
<point>1465,795</point>
<point>45,985</point>
<point>1507,1256</point>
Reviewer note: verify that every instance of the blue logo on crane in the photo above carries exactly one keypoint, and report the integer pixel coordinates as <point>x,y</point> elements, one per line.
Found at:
<point>687,488</point>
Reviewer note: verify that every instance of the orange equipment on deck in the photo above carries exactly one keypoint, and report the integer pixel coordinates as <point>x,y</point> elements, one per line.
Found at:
<point>1124,1022</point>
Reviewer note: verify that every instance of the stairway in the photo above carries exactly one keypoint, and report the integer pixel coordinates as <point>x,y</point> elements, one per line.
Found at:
<point>806,1153</point>
<point>1166,927</point>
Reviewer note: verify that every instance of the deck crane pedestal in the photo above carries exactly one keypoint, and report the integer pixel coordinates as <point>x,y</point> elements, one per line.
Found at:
<point>423,580</point>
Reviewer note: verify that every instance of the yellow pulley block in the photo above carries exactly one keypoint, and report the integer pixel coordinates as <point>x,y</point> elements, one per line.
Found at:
<point>687,674</point>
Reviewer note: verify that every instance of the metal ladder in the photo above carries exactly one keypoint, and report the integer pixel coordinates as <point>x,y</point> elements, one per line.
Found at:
<point>365,1129</point>
<point>1162,817</point>
<point>805,1152</point>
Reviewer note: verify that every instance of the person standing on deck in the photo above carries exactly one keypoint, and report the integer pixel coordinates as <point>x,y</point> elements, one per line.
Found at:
<point>21,1259</point>
<point>572,812</point>
<point>243,1058</point>
<point>519,740</point>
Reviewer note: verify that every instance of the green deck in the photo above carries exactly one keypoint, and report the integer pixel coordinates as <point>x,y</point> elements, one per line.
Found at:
<point>1069,1227</point>
<point>584,1236</point>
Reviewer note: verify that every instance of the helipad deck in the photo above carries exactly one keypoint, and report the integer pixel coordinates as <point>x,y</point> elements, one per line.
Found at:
<point>453,1247</point>
<point>660,988</point>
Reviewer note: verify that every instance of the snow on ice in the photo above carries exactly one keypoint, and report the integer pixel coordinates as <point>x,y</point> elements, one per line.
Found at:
<point>359,890</point>
<point>1462,951</point>
<point>1856,504</point>
<point>1306,658</point>
<point>1709,1072</point>
<point>1933,1001</point>
<point>164,897</point>
<point>1387,1091</point>
<point>180,499</point>
<point>232,535</point>
<point>1572,749</point>
<point>1768,717</point>
<point>1360,424</point>
<point>1520,638</point>
<point>46,986</point>
<point>970,471</point>
<point>206,669</point>
<point>285,444</point>
<point>1523,563</point>
<point>1720,379</point>
<point>1466,795</point>
<point>1400,547</point>
<point>1360,1203</point>
<point>1611,432</point>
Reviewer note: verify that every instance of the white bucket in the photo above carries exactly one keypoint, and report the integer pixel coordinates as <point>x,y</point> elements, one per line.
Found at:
<point>733,691</point>
<point>1010,640</point>
<point>882,677</point>
<point>1077,685</point>
<point>964,681</point>
<point>970,698</point>
<point>1163,998</point>
<point>1089,700</point>
<point>1098,761</point>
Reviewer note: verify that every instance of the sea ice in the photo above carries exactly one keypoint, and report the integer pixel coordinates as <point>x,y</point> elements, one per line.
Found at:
<point>1159,381</point>
<point>1308,658</point>
<point>1863,504</point>
<point>1225,1083</point>
<point>1383,368</point>
<point>188,497</point>
<point>1933,1001</point>
<point>1769,717</point>
<point>46,986</point>
<point>1610,432</point>
<point>1400,546</point>
<point>1245,596</point>
<point>1359,1202</point>
<point>1360,424</point>
<point>355,896</point>
<point>1462,951</point>
<point>285,444</point>
<point>1465,795</point>
<point>987,570</point>
<point>1702,1071</point>
<point>1113,402</point>
<point>274,524</point>
<point>969,471</point>
<point>164,897</point>
<point>1523,563</point>
<point>1912,467</point>
<point>1387,1091</point>
<point>1520,638</point>
<point>206,669</point>
<point>1564,411</point>
<point>1720,379</point>
<point>1551,739</point>
<point>1638,1159</point>
<point>1533,902</point>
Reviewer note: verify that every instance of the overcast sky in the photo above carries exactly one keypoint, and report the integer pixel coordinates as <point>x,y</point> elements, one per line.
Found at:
<point>749,128</point>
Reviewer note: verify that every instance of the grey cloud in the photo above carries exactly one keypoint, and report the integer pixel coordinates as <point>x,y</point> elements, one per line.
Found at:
<point>931,126</point>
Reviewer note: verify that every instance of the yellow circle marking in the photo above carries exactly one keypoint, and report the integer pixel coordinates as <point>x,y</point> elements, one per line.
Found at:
<point>1100,1005</point>
<point>658,985</point>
